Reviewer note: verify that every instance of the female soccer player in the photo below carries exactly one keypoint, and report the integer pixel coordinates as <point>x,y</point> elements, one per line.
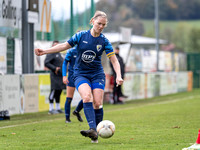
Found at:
<point>89,74</point>
<point>68,66</point>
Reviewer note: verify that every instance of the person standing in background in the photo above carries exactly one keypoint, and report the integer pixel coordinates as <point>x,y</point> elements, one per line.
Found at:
<point>117,90</point>
<point>54,63</point>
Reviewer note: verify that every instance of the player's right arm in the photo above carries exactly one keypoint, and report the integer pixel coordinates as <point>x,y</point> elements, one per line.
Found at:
<point>114,61</point>
<point>55,49</point>
<point>65,80</point>
<point>64,71</point>
<point>65,67</point>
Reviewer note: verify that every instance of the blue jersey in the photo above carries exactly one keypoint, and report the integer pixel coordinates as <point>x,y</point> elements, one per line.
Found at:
<point>69,58</point>
<point>89,51</point>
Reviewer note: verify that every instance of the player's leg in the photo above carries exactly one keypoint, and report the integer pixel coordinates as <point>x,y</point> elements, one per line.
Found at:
<point>57,98</point>
<point>86,94</point>
<point>115,93</point>
<point>120,91</point>
<point>98,85</point>
<point>76,112</point>
<point>79,106</point>
<point>70,92</point>
<point>98,92</point>
<point>51,99</point>
<point>84,88</point>
<point>118,95</point>
<point>98,104</point>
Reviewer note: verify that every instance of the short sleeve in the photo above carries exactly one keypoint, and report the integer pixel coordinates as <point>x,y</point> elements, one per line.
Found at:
<point>75,38</point>
<point>108,48</point>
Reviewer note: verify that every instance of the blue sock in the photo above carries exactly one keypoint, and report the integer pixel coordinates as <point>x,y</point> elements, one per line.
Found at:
<point>79,106</point>
<point>68,107</point>
<point>89,114</point>
<point>98,115</point>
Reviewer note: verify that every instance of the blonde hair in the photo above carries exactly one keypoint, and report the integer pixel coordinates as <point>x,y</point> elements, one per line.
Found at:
<point>99,14</point>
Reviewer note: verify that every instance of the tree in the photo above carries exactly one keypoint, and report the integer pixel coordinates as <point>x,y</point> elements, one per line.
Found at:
<point>194,40</point>
<point>180,37</point>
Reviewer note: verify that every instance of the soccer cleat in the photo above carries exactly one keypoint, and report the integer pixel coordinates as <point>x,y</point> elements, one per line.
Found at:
<point>77,114</point>
<point>94,141</point>
<point>68,121</point>
<point>60,111</point>
<point>91,133</point>
<point>52,112</point>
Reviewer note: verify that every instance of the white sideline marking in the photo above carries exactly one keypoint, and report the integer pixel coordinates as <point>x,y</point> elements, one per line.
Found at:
<point>30,123</point>
<point>166,102</point>
<point>156,103</point>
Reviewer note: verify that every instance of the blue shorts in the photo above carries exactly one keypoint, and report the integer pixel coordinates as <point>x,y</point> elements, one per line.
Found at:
<point>93,80</point>
<point>71,80</point>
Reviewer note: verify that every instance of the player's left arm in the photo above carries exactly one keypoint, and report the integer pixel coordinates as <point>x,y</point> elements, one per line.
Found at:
<point>116,66</point>
<point>114,61</point>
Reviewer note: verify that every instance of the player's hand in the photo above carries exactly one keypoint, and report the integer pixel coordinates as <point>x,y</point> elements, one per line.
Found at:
<point>39,51</point>
<point>65,80</point>
<point>119,81</point>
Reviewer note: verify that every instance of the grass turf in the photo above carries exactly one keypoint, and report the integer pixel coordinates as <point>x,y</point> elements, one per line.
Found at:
<point>162,123</point>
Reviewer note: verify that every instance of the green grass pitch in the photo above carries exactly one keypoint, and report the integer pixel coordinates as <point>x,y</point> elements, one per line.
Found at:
<point>162,123</point>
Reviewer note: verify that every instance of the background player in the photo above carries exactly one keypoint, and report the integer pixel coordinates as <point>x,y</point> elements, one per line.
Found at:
<point>68,66</point>
<point>117,90</point>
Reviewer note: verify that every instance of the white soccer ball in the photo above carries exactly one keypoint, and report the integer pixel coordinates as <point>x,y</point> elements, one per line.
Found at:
<point>106,129</point>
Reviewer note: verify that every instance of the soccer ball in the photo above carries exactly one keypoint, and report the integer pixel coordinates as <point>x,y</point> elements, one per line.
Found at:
<point>106,129</point>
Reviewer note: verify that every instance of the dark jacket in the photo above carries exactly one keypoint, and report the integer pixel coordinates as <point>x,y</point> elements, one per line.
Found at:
<point>51,62</point>
<point>122,66</point>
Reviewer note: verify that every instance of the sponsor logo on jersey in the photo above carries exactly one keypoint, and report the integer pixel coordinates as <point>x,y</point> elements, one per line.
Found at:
<point>88,56</point>
<point>99,47</point>
<point>85,42</point>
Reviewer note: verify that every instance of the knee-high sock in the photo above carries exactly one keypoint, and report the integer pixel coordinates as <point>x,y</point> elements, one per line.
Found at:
<point>89,114</point>
<point>68,107</point>
<point>79,106</point>
<point>51,106</point>
<point>98,115</point>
